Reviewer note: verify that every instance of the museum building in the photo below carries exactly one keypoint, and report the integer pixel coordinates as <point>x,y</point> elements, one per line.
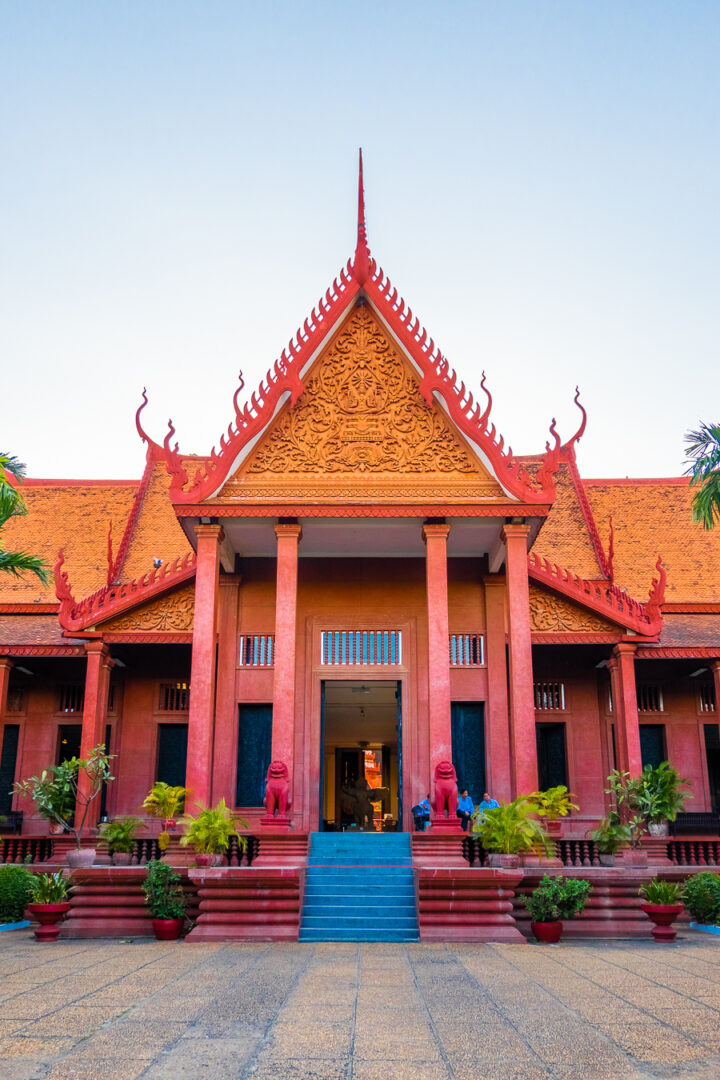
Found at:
<point>361,582</point>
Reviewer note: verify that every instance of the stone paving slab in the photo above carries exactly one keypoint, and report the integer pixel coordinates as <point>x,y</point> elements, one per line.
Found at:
<point>145,1010</point>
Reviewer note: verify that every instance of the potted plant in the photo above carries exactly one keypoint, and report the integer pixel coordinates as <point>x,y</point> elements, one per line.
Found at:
<point>210,831</point>
<point>660,798</point>
<point>553,804</point>
<point>555,899</point>
<point>64,793</point>
<point>662,905</point>
<point>507,830</point>
<point>165,898</point>
<point>626,790</point>
<point>164,801</point>
<point>49,904</point>
<point>119,836</point>
<point>609,836</point>
<point>15,895</point>
<point>701,896</point>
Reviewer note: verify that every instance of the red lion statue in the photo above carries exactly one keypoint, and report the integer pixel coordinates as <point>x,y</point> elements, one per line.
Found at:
<point>445,792</point>
<point>277,789</point>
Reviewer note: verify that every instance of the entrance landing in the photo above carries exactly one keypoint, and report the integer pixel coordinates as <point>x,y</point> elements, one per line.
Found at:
<point>359,887</point>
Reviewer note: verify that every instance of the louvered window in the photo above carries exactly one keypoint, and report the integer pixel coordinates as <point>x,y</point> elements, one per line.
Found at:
<point>361,647</point>
<point>16,700</point>
<point>706,694</point>
<point>174,697</point>
<point>650,698</point>
<point>72,697</point>
<point>466,650</point>
<point>257,650</point>
<point>549,696</point>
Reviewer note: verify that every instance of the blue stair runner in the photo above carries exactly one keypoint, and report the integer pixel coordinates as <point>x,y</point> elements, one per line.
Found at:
<point>359,887</point>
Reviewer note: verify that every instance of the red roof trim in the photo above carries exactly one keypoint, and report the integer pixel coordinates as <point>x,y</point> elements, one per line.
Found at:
<point>542,638</point>
<point>112,600</point>
<point>251,510</point>
<point>43,650</point>
<point>606,600</point>
<point>682,652</point>
<point>602,560</point>
<point>33,482</point>
<point>616,481</point>
<point>136,637</point>
<point>29,609</point>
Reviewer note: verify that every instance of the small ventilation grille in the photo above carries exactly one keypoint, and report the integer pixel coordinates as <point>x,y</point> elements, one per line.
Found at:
<point>466,650</point>
<point>361,648</point>
<point>174,697</point>
<point>257,650</point>
<point>549,696</point>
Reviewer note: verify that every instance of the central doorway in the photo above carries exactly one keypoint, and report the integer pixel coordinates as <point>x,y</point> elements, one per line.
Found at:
<point>361,756</point>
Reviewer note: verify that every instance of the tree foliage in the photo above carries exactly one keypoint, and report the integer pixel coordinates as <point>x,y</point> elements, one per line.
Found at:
<point>12,504</point>
<point>703,450</point>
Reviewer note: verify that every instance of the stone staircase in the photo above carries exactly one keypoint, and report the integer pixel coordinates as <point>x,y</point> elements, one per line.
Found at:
<point>359,887</point>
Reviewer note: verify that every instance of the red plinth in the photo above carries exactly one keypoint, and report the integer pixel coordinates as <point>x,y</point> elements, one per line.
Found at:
<point>281,823</point>
<point>447,826</point>
<point>467,904</point>
<point>248,904</point>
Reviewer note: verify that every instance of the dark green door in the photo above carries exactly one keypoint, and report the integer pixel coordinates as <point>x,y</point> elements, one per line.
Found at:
<point>468,746</point>
<point>172,754</point>
<point>253,756</point>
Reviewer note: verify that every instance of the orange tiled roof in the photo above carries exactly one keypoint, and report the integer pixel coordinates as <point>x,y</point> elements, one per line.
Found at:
<point>651,518</point>
<point>73,515</point>
<point>564,537</point>
<point>157,533</point>
<point>32,630</point>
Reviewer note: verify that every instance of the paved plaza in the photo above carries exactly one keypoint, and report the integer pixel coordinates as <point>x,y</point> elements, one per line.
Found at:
<point>109,1009</point>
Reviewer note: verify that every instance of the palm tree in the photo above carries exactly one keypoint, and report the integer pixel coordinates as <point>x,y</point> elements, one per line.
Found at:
<point>12,504</point>
<point>704,473</point>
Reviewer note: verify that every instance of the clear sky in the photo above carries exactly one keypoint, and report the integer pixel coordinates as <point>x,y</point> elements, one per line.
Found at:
<point>177,188</point>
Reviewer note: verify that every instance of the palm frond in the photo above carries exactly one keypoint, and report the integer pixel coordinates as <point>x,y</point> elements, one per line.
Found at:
<point>19,562</point>
<point>10,464</point>
<point>703,450</point>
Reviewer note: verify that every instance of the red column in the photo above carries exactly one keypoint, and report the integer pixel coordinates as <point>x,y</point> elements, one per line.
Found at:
<point>439,726</point>
<point>497,728</point>
<point>97,681</point>
<point>198,776</point>
<point>523,747</point>
<point>283,720</point>
<point>627,730</point>
<point>715,668</point>
<point>226,712</point>
<point>5,669</point>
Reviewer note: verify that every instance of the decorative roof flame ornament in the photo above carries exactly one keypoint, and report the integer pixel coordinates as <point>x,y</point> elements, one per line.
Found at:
<point>361,262</point>
<point>611,553</point>
<point>656,597</point>
<point>110,566</point>
<point>581,430</point>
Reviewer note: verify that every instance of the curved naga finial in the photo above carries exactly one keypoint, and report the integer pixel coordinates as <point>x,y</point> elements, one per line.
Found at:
<point>63,590</point>
<point>140,429</point>
<point>361,262</point>
<point>168,437</point>
<point>581,430</point>
<point>611,553</point>
<point>236,396</point>
<point>657,587</point>
<point>482,422</point>
<point>110,564</point>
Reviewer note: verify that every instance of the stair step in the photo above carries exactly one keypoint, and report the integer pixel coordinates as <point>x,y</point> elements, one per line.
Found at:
<point>359,935</point>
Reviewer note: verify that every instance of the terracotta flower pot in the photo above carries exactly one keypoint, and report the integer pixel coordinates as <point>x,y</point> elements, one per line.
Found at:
<point>503,862</point>
<point>49,917</point>
<point>169,824</point>
<point>663,915</point>
<point>549,933</point>
<point>81,858</point>
<point>552,826</point>
<point>606,858</point>
<point>635,857</point>
<point>167,929</point>
<point>122,858</point>
<point>205,859</point>
<point>658,828</point>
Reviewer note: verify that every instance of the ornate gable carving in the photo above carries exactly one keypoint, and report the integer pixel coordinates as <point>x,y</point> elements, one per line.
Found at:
<point>172,613</point>
<point>361,427</point>
<point>552,614</point>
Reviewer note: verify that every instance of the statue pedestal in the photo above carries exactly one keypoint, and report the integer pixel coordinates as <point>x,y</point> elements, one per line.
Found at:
<point>281,823</point>
<point>446,825</point>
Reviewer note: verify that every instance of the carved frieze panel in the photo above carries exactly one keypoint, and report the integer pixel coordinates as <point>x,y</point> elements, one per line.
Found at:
<point>173,613</point>
<point>362,426</point>
<point>550,613</point>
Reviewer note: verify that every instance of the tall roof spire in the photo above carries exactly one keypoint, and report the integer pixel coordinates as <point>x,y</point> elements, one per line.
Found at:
<point>361,262</point>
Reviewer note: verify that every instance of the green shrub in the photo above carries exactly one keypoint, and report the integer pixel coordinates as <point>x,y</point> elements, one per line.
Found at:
<point>658,891</point>
<point>701,896</point>
<point>15,892</point>
<point>50,888</point>
<point>163,891</point>
<point>557,898</point>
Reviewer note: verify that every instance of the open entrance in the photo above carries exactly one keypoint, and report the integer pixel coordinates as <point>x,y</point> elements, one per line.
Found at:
<point>361,785</point>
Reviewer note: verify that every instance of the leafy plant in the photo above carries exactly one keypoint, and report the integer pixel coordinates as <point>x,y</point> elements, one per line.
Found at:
<point>12,504</point>
<point>50,888</point>
<point>626,791</point>
<point>701,896</point>
<point>209,831</point>
<point>658,891</point>
<point>64,793</point>
<point>553,803</point>
<point>609,835</point>
<point>510,828</point>
<point>119,835</point>
<point>15,892</point>
<point>163,891</point>
<point>165,801</point>
<point>557,898</point>
<point>703,449</point>
<point>660,797</point>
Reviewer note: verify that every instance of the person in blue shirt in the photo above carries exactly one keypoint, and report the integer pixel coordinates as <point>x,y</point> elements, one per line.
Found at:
<point>421,813</point>
<point>487,803</point>
<point>465,809</point>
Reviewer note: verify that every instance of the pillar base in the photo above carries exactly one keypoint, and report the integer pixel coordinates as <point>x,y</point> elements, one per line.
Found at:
<point>446,825</point>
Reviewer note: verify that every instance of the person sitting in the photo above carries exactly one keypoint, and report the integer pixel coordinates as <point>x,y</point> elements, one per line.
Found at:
<point>466,809</point>
<point>488,803</point>
<point>421,813</point>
